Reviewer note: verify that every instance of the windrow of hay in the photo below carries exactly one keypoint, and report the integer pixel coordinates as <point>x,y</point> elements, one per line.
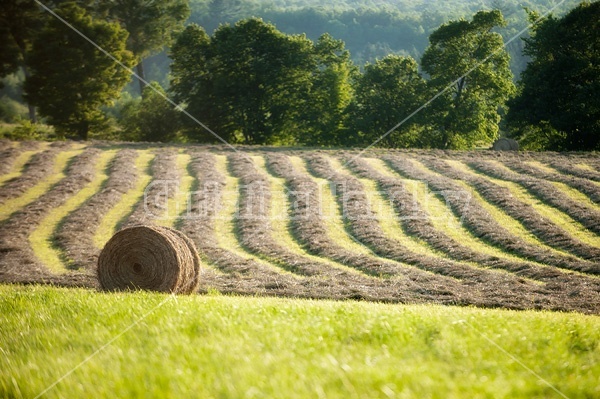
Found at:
<point>548,223</point>
<point>580,189</point>
<point>42,238</point>
<point>57,173</point>
<point>115,216</point>
<point>482,216</point>
<point>149,258</point>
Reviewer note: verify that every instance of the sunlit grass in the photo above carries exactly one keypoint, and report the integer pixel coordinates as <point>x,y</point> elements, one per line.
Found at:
<point>18,167</point>
<point>541,166</point>
<point>385,214</point>
<point>330,211</point>
<point>554,215</point>
<point>112,219</point>
<point>571,192</point>
<point>279,220</point>
<point>225,219</point>
<point>231,347</point>
<point>42,240</point>
<point>440,215</point>
<point>585,166</point>
<point>177,206</point>
<point>59,168</point>
<point>513,226</point>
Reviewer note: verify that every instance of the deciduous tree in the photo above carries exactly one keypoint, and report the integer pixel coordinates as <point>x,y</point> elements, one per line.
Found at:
<point>71,78</point>
<point>323,115</point>
<point>468,56</point>
<point>247,80</point>
<point>387,92</point>
<point>152,25</point>
<point>20,20</point>
<point>558,104</point>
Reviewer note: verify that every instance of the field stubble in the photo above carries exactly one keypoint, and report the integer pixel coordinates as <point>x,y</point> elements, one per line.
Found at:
<point>299,224</point>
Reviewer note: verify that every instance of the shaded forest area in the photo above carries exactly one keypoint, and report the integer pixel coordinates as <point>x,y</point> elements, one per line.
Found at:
<point>297,73</point>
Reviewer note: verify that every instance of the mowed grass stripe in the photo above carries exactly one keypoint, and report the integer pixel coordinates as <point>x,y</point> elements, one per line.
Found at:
<point>554,215</point>
<point>18,167</point>
<point>387,218</point>
<point>542,166</point>
<point>42,238</point>
<point>330,211</point>
<point>280,219</point>
<point>110,222</point>
<point>571,192</point>
<point>61,163</point>
<point>385,214</point>
<point>177,206</point>
<point>512,225</point>
<point>225,227</point>
<point>440,216</point>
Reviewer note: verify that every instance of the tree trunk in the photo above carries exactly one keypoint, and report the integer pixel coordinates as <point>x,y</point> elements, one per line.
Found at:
<point>140,73</point>
<point>32,115</point>
<point>23,61</point>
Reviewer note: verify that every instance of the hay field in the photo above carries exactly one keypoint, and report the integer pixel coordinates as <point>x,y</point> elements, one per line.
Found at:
<point>489,229</point>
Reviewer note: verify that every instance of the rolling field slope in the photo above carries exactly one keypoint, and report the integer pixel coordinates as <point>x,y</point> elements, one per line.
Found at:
<point>496,230</point>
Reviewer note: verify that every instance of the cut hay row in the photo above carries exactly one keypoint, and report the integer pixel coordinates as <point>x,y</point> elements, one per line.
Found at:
<point>420,223</point>
<point>159,185</point>
<point>280,218</point>
<point>18,260</point>
<point>427,217</point>
<point>550,226</point>
<point>310,228</point>
<point>118,214</point>
<point>478,219</point>
<point>75,234</point>
<point>15,158</point>
<point>366,227</point>
<point>38,167</point>
<point>177,205</point>
<point>43,240</point>
<point>7,144</point>
<point>585,190</point>
<point>254,223</point>
<point>210,225</point>
<point>576,216</point>
<point>583,170</point>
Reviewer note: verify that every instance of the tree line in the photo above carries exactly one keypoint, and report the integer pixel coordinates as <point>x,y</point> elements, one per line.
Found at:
<point>250,83</point>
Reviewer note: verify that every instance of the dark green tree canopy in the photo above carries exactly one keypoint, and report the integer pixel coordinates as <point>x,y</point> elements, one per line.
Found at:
<point>468,56</point>
<point>246,82</point>
<point>558,105</point>
<point>20,21</point>
<point>386,93</point>
<point>71,79</point>
<point>323,113</point>
<point>152,117</point>
<point>152,24</point>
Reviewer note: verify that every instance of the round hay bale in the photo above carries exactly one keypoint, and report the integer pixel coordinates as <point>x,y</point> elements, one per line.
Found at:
<point>504,144</point>
<point>149,258</point>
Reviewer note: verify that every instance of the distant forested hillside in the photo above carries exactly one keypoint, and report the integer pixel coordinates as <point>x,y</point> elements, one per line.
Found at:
<point>373,29</point>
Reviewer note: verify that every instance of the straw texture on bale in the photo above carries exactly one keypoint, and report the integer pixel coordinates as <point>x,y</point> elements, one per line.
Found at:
<point>149,258</point>
<point>505,144</point>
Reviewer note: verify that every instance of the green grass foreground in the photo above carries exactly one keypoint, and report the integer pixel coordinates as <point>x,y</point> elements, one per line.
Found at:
<point>233,347</point>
